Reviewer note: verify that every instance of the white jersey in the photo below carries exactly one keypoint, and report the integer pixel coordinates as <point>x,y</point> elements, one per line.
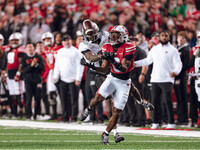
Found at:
<point>94,47</point>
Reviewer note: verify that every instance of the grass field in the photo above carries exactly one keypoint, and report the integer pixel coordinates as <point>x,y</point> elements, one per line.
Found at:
<point>29,138</point>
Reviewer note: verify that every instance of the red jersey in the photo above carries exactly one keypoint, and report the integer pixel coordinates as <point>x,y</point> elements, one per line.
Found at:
<point>124,51</point>
<point>51,54</point>
<point>13,57</point>
<point>45,72</point>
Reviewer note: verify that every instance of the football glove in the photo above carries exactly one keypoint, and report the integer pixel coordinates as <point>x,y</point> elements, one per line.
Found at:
<point>90,65</point>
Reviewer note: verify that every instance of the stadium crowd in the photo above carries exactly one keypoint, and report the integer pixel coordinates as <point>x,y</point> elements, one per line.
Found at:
<point>48,27</point>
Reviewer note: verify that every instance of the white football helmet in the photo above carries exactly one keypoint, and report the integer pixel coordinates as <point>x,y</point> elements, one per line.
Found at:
<point>48,35</point>
<point>90,30</point>
<point>16,36</point>
<point>1,39</point>
<point>122,36</point>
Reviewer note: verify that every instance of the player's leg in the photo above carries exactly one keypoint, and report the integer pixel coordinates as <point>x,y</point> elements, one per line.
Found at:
<point>121,88</point>
<point>136,94</point>
<point>106,89</point>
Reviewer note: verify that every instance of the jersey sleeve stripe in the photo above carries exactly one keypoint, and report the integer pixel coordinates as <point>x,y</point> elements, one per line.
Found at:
<point>130,48</point>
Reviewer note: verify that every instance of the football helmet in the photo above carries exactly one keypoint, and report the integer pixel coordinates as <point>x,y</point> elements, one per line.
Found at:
<point>16,36</point>
<point>1,39</point>
<point>90,30</point>
<point>47,35</point>
<point>118,34</point>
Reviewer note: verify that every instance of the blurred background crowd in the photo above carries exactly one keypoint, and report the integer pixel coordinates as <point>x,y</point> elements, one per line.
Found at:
<point>34,17</point>
<point>142,18</point>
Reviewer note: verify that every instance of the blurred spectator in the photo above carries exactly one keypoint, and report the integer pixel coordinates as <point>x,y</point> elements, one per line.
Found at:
<point>180,84</point>
<point>44,74</point>
<point>141,41</point>
<point>180,8</point>
<point>68,58</point>
<point>38,30</point>
<point>137,75</point>
<point>162,81</point>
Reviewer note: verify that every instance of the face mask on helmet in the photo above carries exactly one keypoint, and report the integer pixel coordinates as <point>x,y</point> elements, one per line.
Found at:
<point>91,36</point>
<point>47,43</point>
<point>118,34</point>
<point>114,37</point>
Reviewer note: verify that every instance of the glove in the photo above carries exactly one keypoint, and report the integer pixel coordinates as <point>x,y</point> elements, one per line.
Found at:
<point>90,65</point>
<point>17,76</point>
<point>108,56</point>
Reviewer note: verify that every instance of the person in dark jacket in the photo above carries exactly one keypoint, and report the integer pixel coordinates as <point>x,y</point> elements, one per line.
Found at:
<point>32,64</point>
<point>180,85</point>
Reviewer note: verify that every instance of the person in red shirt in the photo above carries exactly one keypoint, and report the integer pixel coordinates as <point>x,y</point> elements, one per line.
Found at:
<point>50,51</point>
<point>44,75</point>
<point>15,84</point>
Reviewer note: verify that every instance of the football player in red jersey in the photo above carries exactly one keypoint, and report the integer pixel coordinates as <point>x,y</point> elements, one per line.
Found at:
<point>15,85</point>
<point>51,50</point>
<point>118,55</point>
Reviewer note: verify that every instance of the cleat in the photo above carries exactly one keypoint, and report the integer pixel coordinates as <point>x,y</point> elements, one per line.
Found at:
<point>146,104</point>
<point>104,139</point>
<point>84,114</point>
<point>118,138</point>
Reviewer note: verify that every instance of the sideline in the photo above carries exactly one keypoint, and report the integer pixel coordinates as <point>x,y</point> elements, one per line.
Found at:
<point>99,128</point>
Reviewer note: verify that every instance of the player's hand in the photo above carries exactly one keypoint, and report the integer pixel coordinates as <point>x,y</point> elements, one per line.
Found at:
<point>34,62</point>
<point>141,78</point>
<point>83,62</point>
<point>77,83</point>
<point>108,56</point>
<point>173,74</point>
<point>90,65</point>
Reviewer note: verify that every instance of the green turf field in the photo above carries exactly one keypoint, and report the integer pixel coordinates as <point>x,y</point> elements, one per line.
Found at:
<point>27,138</point>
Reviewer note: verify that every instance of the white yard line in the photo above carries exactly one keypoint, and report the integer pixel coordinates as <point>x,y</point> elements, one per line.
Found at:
<point>99,128</point>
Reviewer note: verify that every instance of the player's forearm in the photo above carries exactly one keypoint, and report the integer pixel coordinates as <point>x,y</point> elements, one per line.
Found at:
<point>101,70</point>
<point>92,58</point>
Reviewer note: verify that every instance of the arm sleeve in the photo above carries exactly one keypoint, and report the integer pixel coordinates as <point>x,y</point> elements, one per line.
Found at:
<point>80,68</point>
<point>145,61</point>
